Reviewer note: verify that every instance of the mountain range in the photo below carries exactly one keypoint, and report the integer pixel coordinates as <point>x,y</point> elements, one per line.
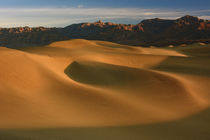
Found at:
<point>150,32</point>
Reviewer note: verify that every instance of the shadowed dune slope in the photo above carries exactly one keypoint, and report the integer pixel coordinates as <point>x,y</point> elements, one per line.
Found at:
<point>80,83</point>
<point>197,49</point>
<point>193,128</point>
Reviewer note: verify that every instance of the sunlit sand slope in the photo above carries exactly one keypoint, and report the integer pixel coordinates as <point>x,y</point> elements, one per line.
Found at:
<point>80,83</point>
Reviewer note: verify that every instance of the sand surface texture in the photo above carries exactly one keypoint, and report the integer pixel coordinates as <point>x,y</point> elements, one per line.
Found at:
<point>103,90</point>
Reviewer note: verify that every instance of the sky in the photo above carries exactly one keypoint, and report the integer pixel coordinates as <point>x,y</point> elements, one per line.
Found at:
<point>60,13</point>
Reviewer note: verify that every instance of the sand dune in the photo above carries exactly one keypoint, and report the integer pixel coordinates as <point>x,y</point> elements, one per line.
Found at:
<point>82,83</point>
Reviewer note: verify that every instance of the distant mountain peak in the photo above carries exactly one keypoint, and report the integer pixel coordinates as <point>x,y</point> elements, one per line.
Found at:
<point>99,21</point>
<point>189,19</point>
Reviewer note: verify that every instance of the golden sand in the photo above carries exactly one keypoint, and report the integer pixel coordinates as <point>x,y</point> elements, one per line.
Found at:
<point>80,83</point>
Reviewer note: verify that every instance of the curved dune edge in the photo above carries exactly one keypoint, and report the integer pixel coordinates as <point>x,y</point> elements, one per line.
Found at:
<point>112,85</point>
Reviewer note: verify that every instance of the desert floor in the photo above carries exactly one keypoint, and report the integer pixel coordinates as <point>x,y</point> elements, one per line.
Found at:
<point>95,90</point>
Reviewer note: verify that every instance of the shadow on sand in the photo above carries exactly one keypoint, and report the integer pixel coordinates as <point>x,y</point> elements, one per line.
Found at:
<point>186,65</point>
<point>193,128</point>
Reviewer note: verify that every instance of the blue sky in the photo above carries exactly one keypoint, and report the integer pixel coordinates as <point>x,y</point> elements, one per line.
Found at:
<point>189,4</point>
<point>61,13</point>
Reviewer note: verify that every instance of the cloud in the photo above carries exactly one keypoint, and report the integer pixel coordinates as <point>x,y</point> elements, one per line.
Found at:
<point>80,6</point>
<point>49,17</point>
<point>205,17</point>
